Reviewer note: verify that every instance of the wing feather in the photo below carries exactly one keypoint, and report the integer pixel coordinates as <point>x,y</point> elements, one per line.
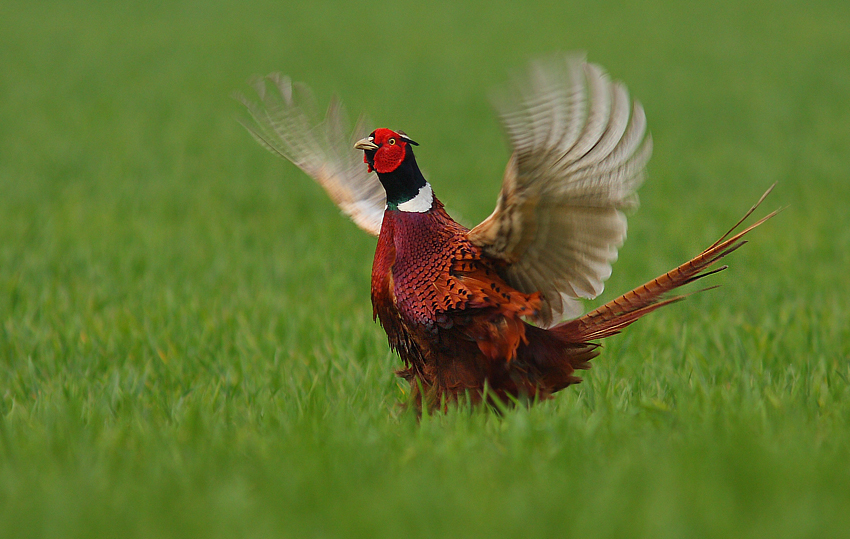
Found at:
<point>285,122</point>
<point>580,148</point>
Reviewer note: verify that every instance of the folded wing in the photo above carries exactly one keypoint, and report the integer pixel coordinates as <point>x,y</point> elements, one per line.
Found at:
<point>580,148</point>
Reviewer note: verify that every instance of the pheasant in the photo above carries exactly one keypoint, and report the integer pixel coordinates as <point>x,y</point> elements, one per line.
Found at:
<point>477,314</point>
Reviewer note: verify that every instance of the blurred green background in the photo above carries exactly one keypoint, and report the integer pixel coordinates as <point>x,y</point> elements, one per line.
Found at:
<point>186,342</point>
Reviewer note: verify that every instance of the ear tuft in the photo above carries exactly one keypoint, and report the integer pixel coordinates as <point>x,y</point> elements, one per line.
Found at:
<point>407,139</point>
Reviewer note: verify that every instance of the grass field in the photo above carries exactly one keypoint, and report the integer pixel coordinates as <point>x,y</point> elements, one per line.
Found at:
<point>186,338</point>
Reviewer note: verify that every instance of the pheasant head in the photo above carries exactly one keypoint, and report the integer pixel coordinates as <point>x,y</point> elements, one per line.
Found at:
<point>390,154</point>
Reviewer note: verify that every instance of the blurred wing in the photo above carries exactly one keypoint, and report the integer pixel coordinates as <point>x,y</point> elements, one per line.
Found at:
<point>285,124</point>
<point>579,151</point>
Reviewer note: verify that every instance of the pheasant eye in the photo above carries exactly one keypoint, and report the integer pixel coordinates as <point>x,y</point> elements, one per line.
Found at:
<point>391,142</point>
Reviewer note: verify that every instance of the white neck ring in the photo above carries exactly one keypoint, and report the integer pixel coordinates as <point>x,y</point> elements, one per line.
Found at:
<point>421,203</point>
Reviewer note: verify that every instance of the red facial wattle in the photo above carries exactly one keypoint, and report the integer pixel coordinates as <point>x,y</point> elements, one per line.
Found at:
<point>391,151</point>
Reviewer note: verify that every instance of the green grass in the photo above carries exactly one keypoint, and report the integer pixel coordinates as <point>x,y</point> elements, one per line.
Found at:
<point>186,341</point>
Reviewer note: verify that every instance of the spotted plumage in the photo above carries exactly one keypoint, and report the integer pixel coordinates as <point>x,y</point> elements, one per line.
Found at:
<point>453,320</point>
<point>475,313</point>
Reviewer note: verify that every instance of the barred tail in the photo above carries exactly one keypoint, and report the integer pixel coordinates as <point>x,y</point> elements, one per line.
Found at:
<point>617,314</point>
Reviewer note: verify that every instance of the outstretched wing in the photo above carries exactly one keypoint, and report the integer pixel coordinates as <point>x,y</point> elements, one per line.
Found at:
<point>579,151</point>
<point>285,123</point>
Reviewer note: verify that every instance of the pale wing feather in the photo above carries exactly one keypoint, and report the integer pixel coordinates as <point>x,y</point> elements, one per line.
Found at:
<point>285,122</point>
<point>580,148</point>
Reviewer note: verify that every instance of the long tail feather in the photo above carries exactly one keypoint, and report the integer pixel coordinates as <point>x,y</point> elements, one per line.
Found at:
<point>615,315</point>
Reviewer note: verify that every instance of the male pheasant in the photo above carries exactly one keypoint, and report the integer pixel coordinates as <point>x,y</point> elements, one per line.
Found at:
<point>477,313</point>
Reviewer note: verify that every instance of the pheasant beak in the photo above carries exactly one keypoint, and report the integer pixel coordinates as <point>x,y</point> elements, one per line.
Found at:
<point>365,144</point>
